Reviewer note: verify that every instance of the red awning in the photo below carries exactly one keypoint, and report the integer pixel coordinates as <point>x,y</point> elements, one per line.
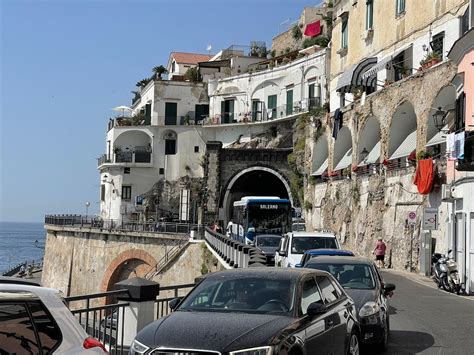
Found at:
<point>313,29</point>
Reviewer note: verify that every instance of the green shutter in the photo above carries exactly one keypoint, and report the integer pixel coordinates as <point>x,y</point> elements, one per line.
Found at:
<point>289,102</point>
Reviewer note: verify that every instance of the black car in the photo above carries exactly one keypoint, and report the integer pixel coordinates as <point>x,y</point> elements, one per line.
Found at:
<point>258,311</point>
<point>362,281</point>
<point>268,245</point>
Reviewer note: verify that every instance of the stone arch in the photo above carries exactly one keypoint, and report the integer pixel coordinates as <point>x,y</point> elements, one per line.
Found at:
<point>132,138</point>
<point>113,270</point>
<point>148,133</point>
<point>308,69</point>
<point>444,99</point>
<point>342,152</point>
<point>403,131</point>
<point>232,181</point>
<point>369,139</point>
<point>320,156</point>
<point>263,85</point>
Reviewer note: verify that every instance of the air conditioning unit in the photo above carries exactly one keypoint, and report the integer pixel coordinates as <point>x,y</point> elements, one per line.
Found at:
<point>446,193</point>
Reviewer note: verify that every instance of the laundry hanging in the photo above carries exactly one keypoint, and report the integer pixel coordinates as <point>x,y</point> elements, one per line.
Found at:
<point>313,29</point>
<point>337,123</point>
<point>424,176</point>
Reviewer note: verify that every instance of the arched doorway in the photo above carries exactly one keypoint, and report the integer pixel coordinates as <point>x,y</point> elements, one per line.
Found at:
<point>254,181</point>
<point>402,138</point>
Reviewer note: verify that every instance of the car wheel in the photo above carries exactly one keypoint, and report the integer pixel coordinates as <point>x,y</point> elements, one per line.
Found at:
<point>353,346</point>
<point>383,345</point>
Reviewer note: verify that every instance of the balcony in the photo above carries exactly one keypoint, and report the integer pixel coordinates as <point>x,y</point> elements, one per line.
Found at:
<point>125,121</point>
<point>265,114</point>
<point>137,157</point>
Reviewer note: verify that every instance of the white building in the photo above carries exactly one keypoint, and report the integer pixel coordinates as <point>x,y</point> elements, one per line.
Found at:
<point>180,62</point>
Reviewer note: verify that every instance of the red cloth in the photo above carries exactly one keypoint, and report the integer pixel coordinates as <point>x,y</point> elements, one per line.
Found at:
<point>424,176</point>
<point>313,29</point>
<point>380,248</point>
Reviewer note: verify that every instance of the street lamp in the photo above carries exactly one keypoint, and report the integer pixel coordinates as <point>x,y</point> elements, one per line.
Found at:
<point>87,208</point>
<point>439,118</point>
<point>364,155</point>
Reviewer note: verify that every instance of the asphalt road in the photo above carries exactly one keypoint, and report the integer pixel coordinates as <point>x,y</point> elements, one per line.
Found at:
<point>425,320</point>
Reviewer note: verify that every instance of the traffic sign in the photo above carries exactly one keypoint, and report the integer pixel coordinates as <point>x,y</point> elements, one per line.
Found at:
<point>412,218</point>
<point>430,218</point>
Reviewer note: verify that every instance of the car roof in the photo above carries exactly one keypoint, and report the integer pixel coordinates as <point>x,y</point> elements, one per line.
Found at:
<point>17,281</point>
<point>264,272</point>
<point>340,260</point>
<point>313,234</point>
<point>9,291</point>
<point>268,235</point>
<point>327,251</point>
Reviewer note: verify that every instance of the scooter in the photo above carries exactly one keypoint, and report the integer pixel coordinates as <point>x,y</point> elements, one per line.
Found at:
<point>445,273</point>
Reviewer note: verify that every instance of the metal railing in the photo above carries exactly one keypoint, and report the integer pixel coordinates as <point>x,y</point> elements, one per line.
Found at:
<point>103,322</point>
<point>265,114</point>
<point>125,157</point>
<point>166,259</point>
<point>119,225</point>
<point>162,304</point>
<point>234,253</point>
<point>28,266</point>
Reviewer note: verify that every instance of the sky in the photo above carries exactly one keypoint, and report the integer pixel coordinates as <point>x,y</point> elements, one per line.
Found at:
<point>65,64</point>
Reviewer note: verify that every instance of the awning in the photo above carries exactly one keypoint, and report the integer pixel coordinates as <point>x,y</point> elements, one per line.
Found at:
<point>321,169</point>
<point>353,76</point>
<point>373,156</point>
<point>438,138</point>
<point>345,161</point>
<point>407,146</point>
<point>383,62</point>
<point>313,29</point>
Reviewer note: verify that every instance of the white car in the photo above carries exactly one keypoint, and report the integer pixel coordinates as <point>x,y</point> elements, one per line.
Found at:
<point>34,320</point>
<point>294,244</point>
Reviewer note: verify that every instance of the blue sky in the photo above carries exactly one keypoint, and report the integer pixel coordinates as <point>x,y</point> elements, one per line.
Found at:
<point>65,64</point>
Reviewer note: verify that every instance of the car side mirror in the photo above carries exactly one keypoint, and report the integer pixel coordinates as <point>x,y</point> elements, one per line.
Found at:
<point>315,309</point>
<point>174,303</point>
<point>387,288</point>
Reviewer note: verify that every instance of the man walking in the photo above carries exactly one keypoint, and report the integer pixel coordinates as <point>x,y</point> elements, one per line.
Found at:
<point>379,252</point>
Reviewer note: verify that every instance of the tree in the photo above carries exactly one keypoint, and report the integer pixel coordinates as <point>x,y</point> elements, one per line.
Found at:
<point>159,71</point>
<point>192,74</point>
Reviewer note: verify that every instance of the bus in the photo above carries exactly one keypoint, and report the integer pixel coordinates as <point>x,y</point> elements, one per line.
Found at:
<point>259,215</point>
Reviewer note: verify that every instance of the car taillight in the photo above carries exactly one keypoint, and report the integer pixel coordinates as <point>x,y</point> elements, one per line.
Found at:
<point>90,343</point>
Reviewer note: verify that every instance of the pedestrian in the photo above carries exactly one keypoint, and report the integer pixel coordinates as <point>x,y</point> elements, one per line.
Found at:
<point>22,270</point>
<point>379,252</point>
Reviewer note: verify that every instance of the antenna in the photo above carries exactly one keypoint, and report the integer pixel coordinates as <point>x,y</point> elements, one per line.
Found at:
<point>209,47</point>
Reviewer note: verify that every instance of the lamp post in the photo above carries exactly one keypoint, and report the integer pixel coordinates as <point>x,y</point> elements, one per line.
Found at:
<point>87,208</point>
<point>439,118</point>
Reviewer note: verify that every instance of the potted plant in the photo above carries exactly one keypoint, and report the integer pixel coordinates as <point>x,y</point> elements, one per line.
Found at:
<point>387,83</point>
<point>159,71</point>
<point>187,119</point>
<point>430,59</point>
<point>357,92</point>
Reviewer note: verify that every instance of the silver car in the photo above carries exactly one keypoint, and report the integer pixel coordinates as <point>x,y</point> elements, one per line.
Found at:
<point>34,320</point>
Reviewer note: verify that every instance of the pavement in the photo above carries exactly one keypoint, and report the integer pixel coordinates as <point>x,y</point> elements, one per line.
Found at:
<point>426,320</point>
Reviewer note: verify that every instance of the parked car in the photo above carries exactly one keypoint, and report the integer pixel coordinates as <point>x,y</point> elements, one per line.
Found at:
<point>268,244</point>
<point>362,281</point>
<point>258,311</point>
<point>34,320</point>
<point>312,253</point>
<point>294,244</point>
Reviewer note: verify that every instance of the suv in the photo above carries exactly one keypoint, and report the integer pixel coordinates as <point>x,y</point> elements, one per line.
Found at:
<point>293,245</point>
<point>34,320</point>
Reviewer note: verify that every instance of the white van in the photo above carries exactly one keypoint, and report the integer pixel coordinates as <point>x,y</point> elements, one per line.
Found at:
<point>293,245</point>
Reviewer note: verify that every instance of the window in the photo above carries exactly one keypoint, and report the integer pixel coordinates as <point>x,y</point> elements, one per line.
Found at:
<point>398,66</point>
<point>196,149</point>
<point>102,192</point>
<point>170,146</point>
<point>272,106</point>
<point>310,294</point>
<point>327,288</point>
<point>459,114</point>
<point>48,332</point>
<point>399,7</point>
<point>17,335</point>
<point>162,171</point>
<point>126,192</point>
<point>437,44</point>
<point>369,15</point>
<point>126,170</point>
<point>465,22</point>
<point>173,67</point>
<point>344,32</point>
<point>289,102</point>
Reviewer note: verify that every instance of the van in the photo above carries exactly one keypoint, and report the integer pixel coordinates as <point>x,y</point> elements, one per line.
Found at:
<point>293,245</point>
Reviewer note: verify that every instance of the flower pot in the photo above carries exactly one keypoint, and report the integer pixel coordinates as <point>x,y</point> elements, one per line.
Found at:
<point>434,62</point>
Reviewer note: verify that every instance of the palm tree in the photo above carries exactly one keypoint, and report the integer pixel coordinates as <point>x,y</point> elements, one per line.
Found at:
<point>159,70</point>
<point>142,83</point>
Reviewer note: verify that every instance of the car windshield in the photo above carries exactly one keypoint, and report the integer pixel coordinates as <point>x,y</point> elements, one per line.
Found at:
<point>300,244</point>
<point>268,241</point>
<point>354,276</point>
<point>247,295</point>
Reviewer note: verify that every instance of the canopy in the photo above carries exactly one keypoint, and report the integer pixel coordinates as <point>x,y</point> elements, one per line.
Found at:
<point>373,156</point>
<point>345,161</point>
<point>438,138</point>
<point>407,146</point>
<point>321,169</point>
<point>383,62</point>
<point>353,76</point>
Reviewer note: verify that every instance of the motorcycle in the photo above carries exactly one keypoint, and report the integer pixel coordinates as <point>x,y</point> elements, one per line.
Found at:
<point>445,273</point>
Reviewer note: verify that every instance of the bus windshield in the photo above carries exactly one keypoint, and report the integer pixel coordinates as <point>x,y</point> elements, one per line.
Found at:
<point>269,218</point>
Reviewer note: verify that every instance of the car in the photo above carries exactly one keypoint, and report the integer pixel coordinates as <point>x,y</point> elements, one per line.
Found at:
<point>362,281</point>
<point>294,244</point>
<point>312,253</point>
<point>268,244</point>
<point>34,320</point>
<point>262,311</point>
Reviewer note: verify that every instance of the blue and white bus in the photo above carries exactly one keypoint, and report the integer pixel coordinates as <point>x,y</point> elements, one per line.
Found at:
<point>260,215</point>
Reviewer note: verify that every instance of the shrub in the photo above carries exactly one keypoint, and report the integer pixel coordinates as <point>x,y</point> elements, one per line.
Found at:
<point>296,33</point>
<point>308,205</point>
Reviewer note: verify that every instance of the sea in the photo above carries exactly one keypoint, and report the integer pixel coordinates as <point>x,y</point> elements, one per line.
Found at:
<point>17,243</point>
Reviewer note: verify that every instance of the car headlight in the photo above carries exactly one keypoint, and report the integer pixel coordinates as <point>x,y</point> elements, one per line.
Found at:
<point>369,309</point>
<point>262,350</point>
<point>138,348</point>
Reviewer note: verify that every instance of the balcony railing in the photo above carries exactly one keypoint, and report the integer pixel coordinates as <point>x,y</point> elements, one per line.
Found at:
<point>266,114</point>
<point>125,157</point>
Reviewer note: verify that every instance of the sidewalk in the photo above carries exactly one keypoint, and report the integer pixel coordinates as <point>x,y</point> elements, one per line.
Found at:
<point>423,280</point>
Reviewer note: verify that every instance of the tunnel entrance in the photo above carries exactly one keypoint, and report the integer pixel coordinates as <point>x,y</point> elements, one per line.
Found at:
<point>257,181</point>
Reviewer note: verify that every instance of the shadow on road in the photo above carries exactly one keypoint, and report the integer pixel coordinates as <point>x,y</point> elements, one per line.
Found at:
<point>392,310</point>
<point>409,342</point>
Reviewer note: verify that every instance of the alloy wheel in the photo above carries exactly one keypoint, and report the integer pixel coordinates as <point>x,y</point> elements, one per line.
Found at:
<point>354,345</point>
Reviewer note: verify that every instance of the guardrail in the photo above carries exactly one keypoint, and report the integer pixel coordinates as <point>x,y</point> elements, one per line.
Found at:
<point>119,225</point>
<point>234,253</point>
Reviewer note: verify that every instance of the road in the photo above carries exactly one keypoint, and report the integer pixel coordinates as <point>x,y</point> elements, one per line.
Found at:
<point>425,320</point>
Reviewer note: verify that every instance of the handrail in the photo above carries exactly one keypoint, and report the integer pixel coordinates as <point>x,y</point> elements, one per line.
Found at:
<point>164,261</point>
<point>95,295</point>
